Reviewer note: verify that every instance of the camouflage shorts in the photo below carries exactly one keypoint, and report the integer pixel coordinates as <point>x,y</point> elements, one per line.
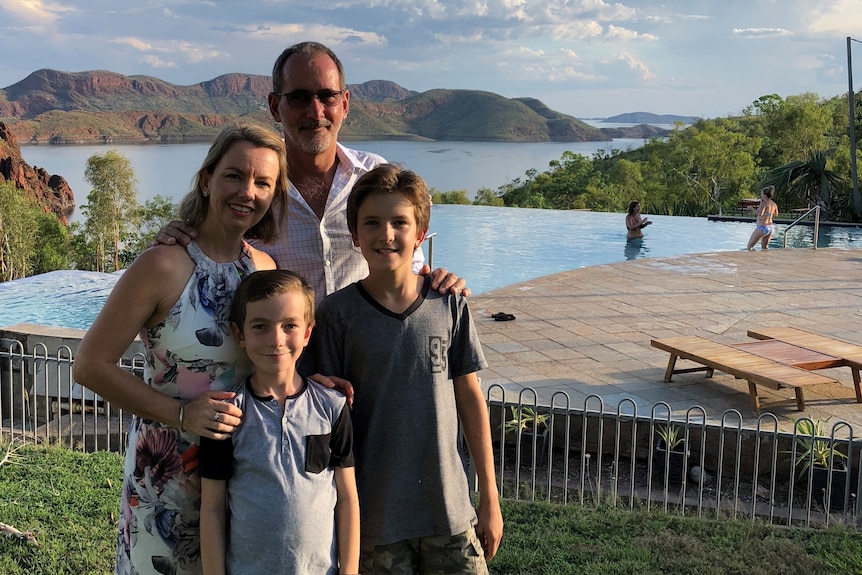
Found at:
<point>441,555</point>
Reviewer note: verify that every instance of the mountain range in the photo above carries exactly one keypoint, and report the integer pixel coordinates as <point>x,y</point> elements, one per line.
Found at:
<point>50,106</point>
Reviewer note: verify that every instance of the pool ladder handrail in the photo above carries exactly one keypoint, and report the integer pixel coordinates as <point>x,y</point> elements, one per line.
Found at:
<point>430,258</point>
<point>816,210</point>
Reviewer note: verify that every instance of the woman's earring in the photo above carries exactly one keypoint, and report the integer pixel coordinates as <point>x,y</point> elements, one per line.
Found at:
<point>206,195</point>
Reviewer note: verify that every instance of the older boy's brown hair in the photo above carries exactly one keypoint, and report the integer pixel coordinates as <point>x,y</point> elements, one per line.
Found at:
<point>390,179</point>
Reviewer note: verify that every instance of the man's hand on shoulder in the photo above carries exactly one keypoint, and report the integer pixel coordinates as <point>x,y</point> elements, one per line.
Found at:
<point>175,232</point>
<point>445,281</point>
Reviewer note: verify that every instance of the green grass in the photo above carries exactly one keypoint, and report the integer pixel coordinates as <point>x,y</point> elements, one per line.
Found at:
<point>69,500</point>
<point>544,538</point>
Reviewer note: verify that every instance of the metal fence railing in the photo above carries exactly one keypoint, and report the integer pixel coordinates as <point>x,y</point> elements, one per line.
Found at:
<point>593,454</point>
<point>586,454</point>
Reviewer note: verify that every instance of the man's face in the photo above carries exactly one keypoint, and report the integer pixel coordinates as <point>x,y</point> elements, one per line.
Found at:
<point>313,129</point>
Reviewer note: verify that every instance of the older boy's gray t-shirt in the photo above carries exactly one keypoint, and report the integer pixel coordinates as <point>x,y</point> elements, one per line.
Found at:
<point>279,468</point>
<point>410,477</point>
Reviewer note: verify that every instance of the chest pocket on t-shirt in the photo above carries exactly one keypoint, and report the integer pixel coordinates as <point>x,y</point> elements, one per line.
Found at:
<point>317,452</point>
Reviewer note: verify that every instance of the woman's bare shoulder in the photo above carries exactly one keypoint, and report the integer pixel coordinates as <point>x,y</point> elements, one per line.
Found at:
<point>261,259</point>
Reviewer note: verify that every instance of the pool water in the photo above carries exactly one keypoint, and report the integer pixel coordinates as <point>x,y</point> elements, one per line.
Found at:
<point>491,247</point>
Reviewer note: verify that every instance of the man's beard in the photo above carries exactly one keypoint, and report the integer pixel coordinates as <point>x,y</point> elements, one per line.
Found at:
<point>311,142</point>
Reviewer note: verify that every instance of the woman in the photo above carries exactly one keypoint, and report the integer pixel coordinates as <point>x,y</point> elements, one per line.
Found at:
<point>178,300</point>
<point>766,210</point>
<point>634,222</point>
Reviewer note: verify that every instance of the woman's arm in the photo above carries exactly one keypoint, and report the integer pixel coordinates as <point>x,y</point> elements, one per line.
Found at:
<point>144,295</point>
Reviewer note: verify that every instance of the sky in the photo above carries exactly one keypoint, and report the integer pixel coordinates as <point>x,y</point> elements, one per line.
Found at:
<point>585,58</point>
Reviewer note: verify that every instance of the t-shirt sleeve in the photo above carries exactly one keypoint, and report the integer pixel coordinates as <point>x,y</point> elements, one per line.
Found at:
<point>323,352</point>
<point>215,458</point>
<point>465,352</point>
<point>341,440</point>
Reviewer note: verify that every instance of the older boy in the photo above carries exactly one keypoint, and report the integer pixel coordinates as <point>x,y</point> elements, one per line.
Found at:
<point>279,496</point>
<point>412,355</point>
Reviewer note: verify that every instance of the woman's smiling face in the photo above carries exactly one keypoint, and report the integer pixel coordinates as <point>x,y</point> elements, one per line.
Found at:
<point>242,185</point>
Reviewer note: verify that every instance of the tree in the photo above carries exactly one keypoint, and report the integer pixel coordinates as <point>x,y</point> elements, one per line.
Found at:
<point>17,233</point>
<point>112,211</point>
<point>451,197</point>
<point>52,251</point>
<point>155,214</point>
<point>487,197</point>
<point>811,181</point>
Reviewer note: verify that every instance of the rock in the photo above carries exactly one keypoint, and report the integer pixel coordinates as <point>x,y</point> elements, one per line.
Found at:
<point>51,192</point>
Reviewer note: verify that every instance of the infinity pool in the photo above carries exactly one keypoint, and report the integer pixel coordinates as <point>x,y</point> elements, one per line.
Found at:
<point>491,247</point>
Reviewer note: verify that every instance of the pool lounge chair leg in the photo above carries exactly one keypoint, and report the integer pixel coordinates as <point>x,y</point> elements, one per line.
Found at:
<point>755,401</point>
<point>800,400</point>
<point>671,363</point>
<point>856,385</point>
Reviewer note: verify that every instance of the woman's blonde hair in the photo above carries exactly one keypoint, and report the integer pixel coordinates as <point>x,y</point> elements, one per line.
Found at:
<point>194,206</point>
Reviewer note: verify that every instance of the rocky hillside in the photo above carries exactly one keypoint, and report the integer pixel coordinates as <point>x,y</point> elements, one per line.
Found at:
<point>51,192</point>
<point>61,107</point>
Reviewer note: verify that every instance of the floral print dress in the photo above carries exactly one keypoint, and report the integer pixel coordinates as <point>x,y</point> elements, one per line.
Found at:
<point>192,351</point>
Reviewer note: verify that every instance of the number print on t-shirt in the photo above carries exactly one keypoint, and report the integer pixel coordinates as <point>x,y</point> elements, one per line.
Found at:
<point>438,348</point>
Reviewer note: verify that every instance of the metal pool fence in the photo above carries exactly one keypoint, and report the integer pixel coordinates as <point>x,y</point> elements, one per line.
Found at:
<point>711,465</point>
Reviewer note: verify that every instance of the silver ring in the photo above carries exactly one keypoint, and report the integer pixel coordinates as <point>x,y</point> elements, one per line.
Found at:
<point>216,416</point>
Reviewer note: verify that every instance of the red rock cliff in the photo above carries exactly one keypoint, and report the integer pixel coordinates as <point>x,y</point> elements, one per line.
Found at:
<point>50,192</point>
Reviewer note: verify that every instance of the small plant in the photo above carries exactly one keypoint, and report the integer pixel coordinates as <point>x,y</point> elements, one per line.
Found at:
<point>528,420</point>
<point>808,441</point>
<point>672,435</point>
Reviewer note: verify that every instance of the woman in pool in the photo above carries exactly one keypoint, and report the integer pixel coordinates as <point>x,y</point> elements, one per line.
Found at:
<point>178,300</point>
<point>765,212</point>
<point>634,222</point>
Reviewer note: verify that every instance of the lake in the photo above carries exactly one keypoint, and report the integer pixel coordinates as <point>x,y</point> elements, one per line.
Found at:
<point>167,169</point>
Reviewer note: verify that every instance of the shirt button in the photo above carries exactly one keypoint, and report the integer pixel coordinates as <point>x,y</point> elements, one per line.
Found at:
<point>328,263</point>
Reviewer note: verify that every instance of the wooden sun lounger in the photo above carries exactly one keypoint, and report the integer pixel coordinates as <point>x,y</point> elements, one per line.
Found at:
<point>754,368</point>
<point>848,354</point>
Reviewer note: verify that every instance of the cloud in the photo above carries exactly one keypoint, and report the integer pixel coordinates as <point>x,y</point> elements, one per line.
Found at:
<point>37,12</point>
<point>760,32</point>
<point>843,17</point>
<point>577,30</point>
<point>328,34</point>
<point>157,62</point>
<point>618,33</point>
<point>637,65</point>
<point>530,52</point>
<point>135,43</point>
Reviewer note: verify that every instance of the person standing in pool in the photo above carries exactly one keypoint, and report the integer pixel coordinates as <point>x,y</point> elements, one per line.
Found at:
<point>765,212</point>
<point>634,222</point>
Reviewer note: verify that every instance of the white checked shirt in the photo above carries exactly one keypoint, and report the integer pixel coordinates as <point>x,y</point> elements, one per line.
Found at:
<point>322,250</point>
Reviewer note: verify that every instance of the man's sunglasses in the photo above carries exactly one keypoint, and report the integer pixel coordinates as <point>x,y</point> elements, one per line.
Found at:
<point>302,98</point>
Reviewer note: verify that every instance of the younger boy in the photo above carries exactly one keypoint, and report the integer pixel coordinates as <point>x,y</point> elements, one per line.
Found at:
<point>412,355</point>
<point>279,496</point>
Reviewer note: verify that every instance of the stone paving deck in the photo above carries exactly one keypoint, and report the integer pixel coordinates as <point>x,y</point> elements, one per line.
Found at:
<point>588,331</point>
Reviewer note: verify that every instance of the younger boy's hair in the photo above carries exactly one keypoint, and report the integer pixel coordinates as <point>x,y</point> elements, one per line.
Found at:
<point>390,179</point>
<point>265,284</point>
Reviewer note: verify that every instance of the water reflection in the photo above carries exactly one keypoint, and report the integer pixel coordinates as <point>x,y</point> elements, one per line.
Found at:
<point>635,248</point>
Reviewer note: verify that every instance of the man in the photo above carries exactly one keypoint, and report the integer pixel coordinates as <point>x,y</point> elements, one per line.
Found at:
<point>310,100</point>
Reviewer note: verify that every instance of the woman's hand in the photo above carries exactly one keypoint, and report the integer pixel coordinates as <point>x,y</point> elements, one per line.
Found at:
<point>209,416</point>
